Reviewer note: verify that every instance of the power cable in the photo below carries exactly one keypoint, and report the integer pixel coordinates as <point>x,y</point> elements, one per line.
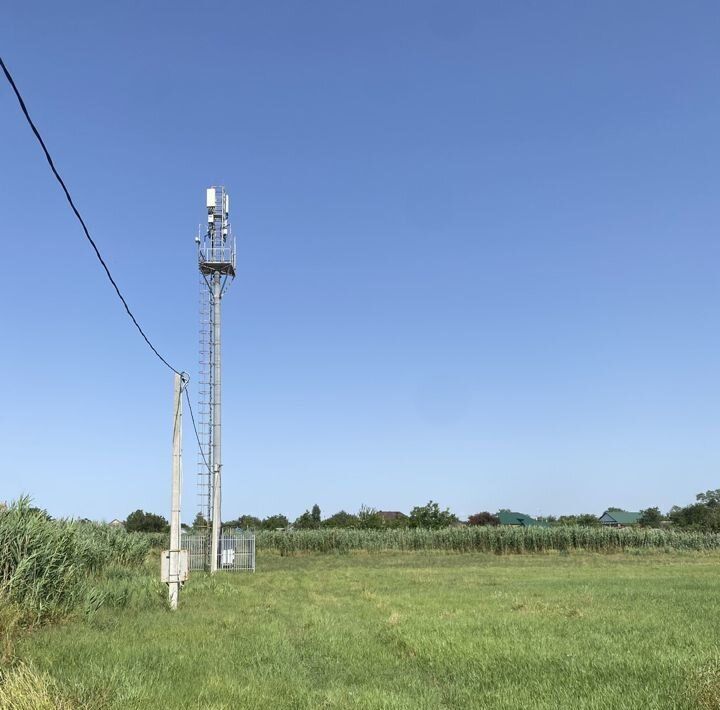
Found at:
<point>49,159</point>
<point>77,214</point>
<point>197,436</point>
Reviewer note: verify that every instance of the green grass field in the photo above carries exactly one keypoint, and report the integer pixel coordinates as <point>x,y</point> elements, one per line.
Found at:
<point>417,630</point>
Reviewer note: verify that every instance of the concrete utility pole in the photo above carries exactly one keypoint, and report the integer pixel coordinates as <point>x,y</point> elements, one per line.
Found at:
<point>174,561</point>
<point>216,420</point>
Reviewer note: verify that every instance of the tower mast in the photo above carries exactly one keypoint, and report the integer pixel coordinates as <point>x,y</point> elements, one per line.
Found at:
<point>216,263</point>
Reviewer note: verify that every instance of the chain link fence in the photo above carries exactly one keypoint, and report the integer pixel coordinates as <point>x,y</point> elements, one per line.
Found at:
<point>237,552</point>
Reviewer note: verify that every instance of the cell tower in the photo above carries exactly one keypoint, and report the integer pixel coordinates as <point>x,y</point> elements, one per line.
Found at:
<point>216,263</point>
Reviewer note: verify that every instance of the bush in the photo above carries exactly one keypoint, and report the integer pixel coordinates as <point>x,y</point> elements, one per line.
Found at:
<point>369,518</point>
<point>650,518</point>
<point>140,521</point>
<point>244,522</point>
<point>430,516</point>
<point>309,519</point>
<point>341,520</point>
<point>697,516</point>
<point>272,522</point>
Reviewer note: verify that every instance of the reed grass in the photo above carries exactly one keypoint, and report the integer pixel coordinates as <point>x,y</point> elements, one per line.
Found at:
<point>46,565</point>
<point>496,539</point>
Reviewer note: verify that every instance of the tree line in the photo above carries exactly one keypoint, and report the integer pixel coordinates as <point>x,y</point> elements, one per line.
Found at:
<point>425,516</point>
<point>703,515</point>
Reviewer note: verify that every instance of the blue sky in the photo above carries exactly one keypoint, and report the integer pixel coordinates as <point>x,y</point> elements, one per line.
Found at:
<point>478,252</point>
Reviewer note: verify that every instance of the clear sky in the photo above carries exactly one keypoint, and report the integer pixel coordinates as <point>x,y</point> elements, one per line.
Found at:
<point>478,252</point>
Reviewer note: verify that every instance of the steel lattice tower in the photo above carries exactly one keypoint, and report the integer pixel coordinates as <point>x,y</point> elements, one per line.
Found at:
<point>216,264</point>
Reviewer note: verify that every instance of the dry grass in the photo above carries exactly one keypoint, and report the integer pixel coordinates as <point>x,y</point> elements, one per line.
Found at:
<point>23,688</point>
<point>706,686</point>
<point>10,621</point>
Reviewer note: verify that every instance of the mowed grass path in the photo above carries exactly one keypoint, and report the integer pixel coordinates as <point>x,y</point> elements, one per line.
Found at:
<point>419,630</point>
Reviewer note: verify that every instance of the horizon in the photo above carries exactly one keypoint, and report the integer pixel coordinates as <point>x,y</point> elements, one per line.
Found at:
<point>328,514</point>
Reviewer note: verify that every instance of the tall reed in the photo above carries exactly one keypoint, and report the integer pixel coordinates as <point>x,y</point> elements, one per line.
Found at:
<point>45,564</point>
<point>499,539</point>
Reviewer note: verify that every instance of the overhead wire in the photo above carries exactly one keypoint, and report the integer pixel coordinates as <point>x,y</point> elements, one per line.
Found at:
<point>49,159</point>
<point>69,198</point>
<point>197,436</point>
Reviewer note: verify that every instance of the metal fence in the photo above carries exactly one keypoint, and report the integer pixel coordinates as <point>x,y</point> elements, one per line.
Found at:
<point>237,552</point>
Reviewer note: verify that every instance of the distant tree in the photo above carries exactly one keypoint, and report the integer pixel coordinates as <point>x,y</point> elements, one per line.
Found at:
<point>273,522</point>
<point>249,522</point>
<point>703,515</point>
<point>315,513</point>
<point>41,512</point>
<point>341,520</point>
<point>588,520</point>
<point>697,516</point>
<point>709,498</point>
<point>140,521</point>
<point>583,519</point>
<point>199,522</point>
<point>246,522</point>
<point>369,518</point>
<point>614,509</point>
<point>650,518</point>
<point>135,522</point>
<point>306,521</point>
<point>484,518</point>
<point>430,516</point>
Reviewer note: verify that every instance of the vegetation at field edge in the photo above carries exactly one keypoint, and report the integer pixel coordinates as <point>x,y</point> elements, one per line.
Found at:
<point>46,565</point>
<point>384,630</point>
<point>52,569</point>
<point>496,539</point>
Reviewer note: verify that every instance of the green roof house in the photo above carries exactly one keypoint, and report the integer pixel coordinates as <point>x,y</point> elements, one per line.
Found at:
<point>619,518</point>
<point>508,517</point>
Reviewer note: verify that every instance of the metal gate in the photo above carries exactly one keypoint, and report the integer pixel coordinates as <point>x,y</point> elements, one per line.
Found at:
<point>237,552</point>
